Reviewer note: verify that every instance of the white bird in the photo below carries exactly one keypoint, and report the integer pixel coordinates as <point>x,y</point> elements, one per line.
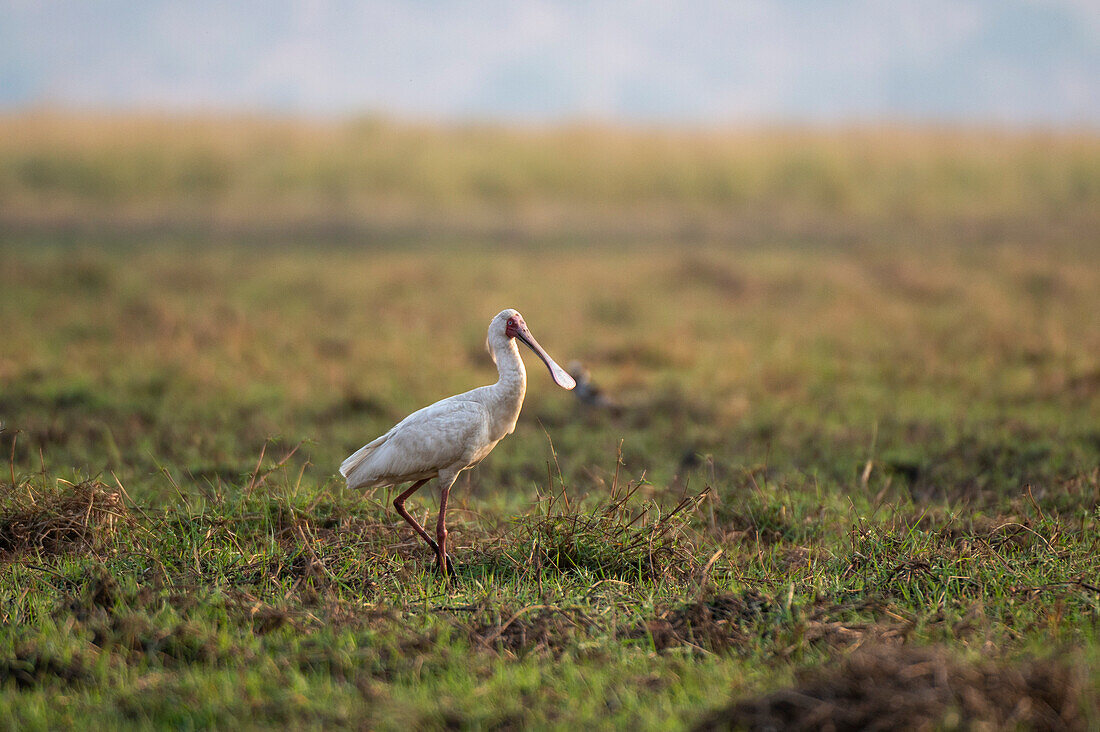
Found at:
<point>453,434</point>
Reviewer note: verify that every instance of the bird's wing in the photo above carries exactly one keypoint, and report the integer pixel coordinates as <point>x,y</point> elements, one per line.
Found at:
<point>426,441</point>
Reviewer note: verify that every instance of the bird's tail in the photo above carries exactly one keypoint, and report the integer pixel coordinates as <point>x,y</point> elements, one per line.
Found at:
<point>356,458</point>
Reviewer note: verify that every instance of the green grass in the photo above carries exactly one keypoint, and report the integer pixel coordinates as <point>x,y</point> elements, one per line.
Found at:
<point>883,442</point>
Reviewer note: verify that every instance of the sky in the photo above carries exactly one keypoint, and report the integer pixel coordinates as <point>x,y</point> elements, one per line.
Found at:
<point>1012,62</point>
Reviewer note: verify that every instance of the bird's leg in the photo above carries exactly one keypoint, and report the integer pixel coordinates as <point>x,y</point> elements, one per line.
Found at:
<point>399,504</point>
<point>441,526</point>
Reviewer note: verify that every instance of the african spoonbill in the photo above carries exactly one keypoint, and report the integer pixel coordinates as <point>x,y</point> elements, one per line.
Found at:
<point>453,434</point>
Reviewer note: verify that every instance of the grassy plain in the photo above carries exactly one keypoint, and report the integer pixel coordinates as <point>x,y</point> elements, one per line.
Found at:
<point>869,361</point>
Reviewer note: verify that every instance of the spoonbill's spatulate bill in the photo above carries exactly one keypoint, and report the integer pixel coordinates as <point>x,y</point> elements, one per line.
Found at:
<point>455,433</point>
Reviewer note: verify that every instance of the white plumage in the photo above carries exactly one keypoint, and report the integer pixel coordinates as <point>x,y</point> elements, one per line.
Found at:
<point>455,433</point>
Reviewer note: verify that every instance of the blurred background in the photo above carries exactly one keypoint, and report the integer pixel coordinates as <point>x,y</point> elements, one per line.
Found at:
<point>836,262</point>
<point>813,224</point>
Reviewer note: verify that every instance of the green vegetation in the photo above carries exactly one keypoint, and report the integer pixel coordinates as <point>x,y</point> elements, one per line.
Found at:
<point>855,454</point>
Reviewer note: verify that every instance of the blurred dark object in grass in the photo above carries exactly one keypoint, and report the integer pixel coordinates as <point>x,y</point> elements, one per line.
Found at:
<point>589,393</point>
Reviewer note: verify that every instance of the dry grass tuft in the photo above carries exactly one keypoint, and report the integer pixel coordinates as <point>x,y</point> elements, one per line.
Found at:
<point>902,687</point>
<point>77,517</point>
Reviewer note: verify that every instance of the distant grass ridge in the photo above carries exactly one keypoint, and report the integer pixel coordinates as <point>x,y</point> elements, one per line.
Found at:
<point>342,179</point>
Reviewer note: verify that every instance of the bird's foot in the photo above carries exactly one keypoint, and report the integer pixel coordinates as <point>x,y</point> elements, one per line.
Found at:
<point>447,567</point>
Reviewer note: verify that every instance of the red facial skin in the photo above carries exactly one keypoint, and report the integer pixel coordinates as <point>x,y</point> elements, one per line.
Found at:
<point>512,328</point>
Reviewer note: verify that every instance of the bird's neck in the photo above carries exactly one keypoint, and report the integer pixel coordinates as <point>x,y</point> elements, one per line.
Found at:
<point>512,374</point>
<point>511,385</point>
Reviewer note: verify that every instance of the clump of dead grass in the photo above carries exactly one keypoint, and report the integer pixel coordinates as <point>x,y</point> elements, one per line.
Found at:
<point>73,517</point>
<point>904,687</point>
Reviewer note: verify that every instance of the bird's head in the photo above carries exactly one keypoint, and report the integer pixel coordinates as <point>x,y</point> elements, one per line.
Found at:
<point>508,325</point>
